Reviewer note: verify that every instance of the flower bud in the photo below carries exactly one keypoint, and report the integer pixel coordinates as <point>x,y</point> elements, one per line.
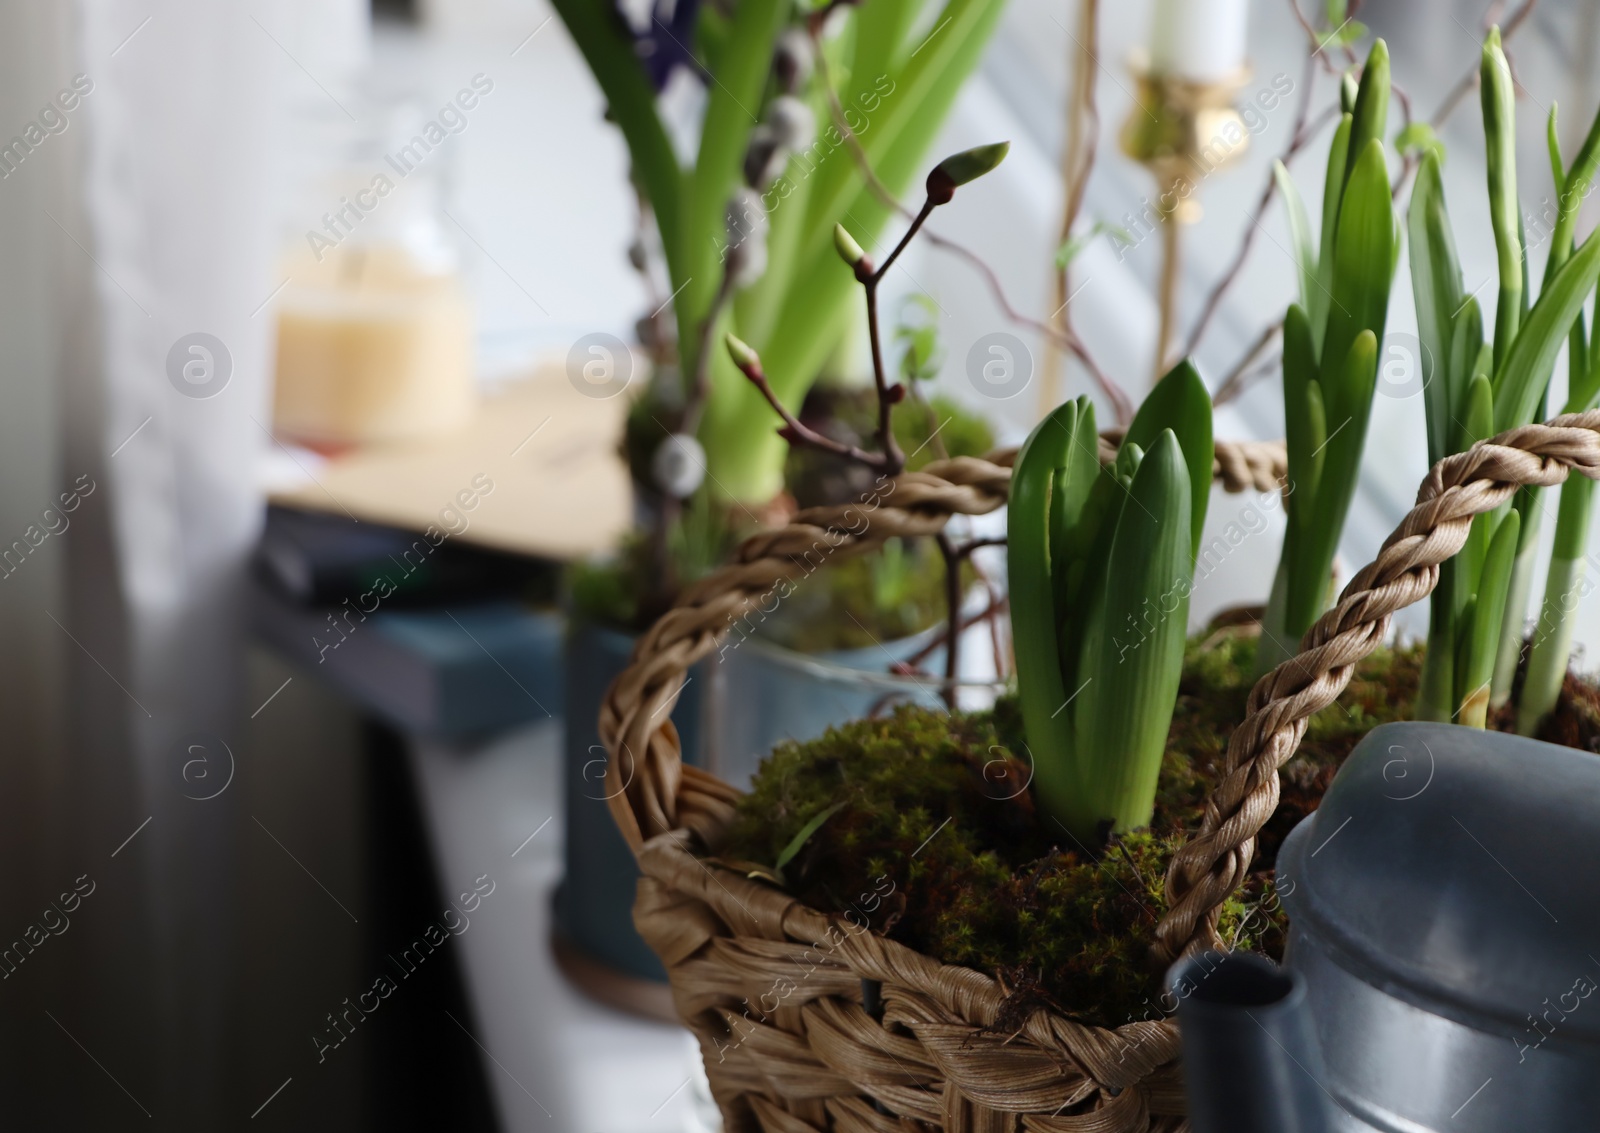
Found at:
<point>957,169</point>
<point>742,354</point>
<point>792,59</point>
<point>679,465</point>
<point>792,122</point>
<point>747,237</point>
<point>849,251</point>
<point>765,158</point>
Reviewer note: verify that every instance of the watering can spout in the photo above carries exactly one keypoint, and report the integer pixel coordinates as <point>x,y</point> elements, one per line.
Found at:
<point>1250,1054</point>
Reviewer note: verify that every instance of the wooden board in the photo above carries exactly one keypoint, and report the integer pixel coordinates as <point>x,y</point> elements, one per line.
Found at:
<point>535,472</point>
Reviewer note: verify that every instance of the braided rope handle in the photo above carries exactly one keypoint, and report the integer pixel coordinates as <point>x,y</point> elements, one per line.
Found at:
<point>1207,870</point>
<point>648,787</point>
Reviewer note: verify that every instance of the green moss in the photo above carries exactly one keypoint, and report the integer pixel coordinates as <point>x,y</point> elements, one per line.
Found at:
<point>938,847</point>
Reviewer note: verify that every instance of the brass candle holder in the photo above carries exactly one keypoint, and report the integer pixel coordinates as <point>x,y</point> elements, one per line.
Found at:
<point>1182,130</point>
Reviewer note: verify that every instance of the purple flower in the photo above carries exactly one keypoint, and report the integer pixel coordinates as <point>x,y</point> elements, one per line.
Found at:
<point>665,43</point>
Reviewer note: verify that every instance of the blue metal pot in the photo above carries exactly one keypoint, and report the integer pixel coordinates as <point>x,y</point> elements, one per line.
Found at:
<point>594,902</point>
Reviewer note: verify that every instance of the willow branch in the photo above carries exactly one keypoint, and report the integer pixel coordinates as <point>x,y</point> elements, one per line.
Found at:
<point>797,433</point>
<point>694,405</point>
<point>1065,339</point>
<point>1298,140</point>
<point>1469,81</point>
<point>1077,162</point>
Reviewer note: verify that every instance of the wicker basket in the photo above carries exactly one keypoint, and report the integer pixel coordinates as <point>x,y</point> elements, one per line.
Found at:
<point>807,1022</point>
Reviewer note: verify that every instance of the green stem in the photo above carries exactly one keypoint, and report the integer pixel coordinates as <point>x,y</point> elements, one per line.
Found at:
<point>1437,689</point>
<point>1511,628</point>
<point>1275,646</point>
<point>1500,144</point>
<point>1552,640</point>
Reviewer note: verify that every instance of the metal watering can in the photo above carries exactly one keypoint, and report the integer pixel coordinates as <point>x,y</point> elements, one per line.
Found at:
<point>1444,949</point>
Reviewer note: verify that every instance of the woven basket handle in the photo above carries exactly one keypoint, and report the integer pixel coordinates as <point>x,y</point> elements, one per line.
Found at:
<point>648,787</point>
<point>1206,871</point>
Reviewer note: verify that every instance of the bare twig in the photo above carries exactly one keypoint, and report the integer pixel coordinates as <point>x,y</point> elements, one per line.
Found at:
<point>1248,378</point>
<point>1237,380</point>
<point>952,601</point>
<point>1077,162</point>
<point>694,405</point>
<point>1469,81</point>
<point>1113,393</point>
<point>1303,133</point>
<point>935,441</point>
<point>1066,339</point>
<point>998,604</point>
<point>1408,162</point>
<point>1317,43</point>
<point>797,433</point>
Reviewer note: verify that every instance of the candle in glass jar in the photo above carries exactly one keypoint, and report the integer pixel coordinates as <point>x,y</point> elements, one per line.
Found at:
<point>1199,40</point>
<point>372,346</point>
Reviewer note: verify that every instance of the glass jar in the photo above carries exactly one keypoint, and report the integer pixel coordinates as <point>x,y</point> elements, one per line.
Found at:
<point>375,329</point>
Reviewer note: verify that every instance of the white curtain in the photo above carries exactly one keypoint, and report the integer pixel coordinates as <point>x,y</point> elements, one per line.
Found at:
<point>149,216</point>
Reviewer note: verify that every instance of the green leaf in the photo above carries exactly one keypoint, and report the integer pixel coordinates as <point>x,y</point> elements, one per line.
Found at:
<point>880,30</point>
<point>1487,613</point>
<point>1436,286</point>
<point>1299,372</point>
<point>1552,142</point>
<point>1419,138</point>
<point>1317,435</point>
<point>1470,355</point>
<point>1521,379</point>
<point>1352,32</point>
<point>1571,191</point>
<point>1133,649</point>
<point>1335,469</point>
<point>1332,194</point>
<point>1370,117</point>
<point>1031,563</point>
<point>1072,524</point>
<point>1073,247</point>
<point>1475,422</point>
<point>1363,255</point>
<point>725,131</point>
<point>1476,418</point>
<point>1564,589</point>
<point>1305,253</point>
<point>922,358</point>
<point>1181,403</point>
<point>797,843</point>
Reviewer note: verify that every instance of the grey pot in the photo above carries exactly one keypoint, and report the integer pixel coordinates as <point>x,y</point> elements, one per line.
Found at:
<point>1444,948</point>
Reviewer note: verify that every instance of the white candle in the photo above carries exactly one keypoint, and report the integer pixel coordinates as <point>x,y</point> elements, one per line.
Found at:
<point>1201,40</point>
